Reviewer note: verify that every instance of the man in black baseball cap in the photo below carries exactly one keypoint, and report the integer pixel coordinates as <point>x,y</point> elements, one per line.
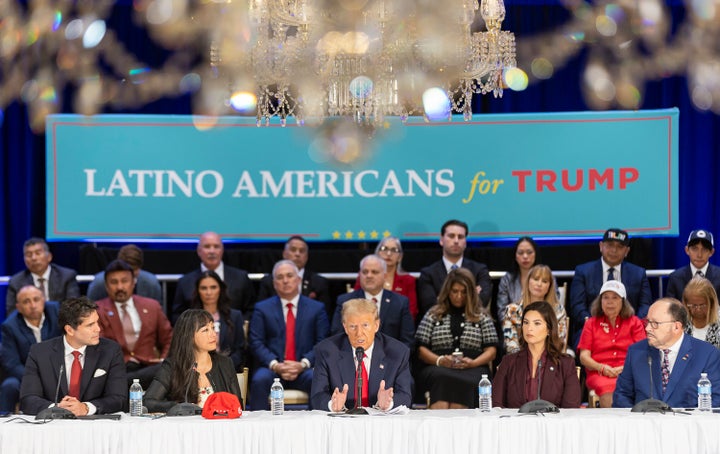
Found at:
<point>700,247</point>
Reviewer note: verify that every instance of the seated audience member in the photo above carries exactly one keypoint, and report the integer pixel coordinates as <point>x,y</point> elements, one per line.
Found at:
<point>240,289</point>
<point>676,360</point>
<point>396,280</point>
<point>55,281</point>
<point>146,284</point>
<point>93,377</point>
<point>283,331</point>
<point>701,301</point>
<point>539,286</point>
<point>193,366</point>
<point>395,318</point>
<point>34,321</point>
<point>211,295</point>
<point>700,247</point>
<point>312,284</point>
<point>539,363</point>
<point>458,342</point>
<point>137,323</point>
<point>453,239</point>
<point>605,339</point>
<point>589,277</point>
<point>385,364</point>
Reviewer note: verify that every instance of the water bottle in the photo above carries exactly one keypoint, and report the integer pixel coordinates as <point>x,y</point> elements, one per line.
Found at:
<point>485,393</point>
<point>277,398</point>
<point>704,393</point>
<point>136,397</point>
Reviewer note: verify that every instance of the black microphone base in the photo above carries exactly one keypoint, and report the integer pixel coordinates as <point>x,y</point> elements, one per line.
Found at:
<point>55,413</point>
<point>651,406</point>
<point>538,406</point>
<point>356,411</point>
<point>184,409</point>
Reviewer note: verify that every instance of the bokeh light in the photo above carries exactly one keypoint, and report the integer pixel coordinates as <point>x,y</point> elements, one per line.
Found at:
<point>436,104</point>
<point>361,87</point>
<point>516,79</point>
<point>94,34</point>
<point>243,101</point>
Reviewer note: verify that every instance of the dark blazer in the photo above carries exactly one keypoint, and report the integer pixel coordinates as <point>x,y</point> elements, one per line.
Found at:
<point>61,285</point>
<point>395,318</point>
<point>233,344</point>
<point>17,339</point>
<point>679,278</point>
<point>695,356</point>
<point>336,367</point>
<point>588,280</point>
<point>240,290</point>
<point>314,287</point>
<point>222,377</point>
<point>103,382</point>
<point>432,278</point>
<point>153,342</point>
<point>560,384</point>
<point>147,285</point>
<point>267,330</point>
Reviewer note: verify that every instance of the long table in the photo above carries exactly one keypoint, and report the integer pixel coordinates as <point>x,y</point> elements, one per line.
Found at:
<point>585,431</point>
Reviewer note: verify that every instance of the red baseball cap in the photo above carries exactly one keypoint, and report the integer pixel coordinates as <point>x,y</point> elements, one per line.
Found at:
<point>222,405</point>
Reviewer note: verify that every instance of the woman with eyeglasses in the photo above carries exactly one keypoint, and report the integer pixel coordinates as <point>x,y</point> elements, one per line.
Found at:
<point>701,301</point>
<point>396,280</point>
<point>605,339</point>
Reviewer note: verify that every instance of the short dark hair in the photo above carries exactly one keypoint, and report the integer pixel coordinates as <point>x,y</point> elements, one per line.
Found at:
<point>36,240</point>
<point>296,237</point>
<point>131,254</point>
<point>118,265</point>
<point>454,222</point>
<point>74,310</point>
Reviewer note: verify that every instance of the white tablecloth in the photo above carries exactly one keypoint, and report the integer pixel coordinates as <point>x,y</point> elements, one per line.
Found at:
<point>585,431</point>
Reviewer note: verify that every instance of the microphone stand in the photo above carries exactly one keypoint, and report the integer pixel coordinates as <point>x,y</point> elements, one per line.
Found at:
<point>651,405</point>
<point>56,412</point>
<point>538,406</point>
<point>186,408</point>
<point>358,410</point>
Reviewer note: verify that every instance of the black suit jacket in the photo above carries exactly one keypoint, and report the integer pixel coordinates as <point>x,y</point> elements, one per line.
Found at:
<point>679,278</point>
<point>432,278</point>
<point>103,382</point>
<point>240,290</point>
<point>335,367</point>
<point>17,339</point>
<point>314,287</point>
<point>61,285</point>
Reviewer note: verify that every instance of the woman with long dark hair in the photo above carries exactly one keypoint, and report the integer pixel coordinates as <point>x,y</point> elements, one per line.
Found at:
<point>193,365</point>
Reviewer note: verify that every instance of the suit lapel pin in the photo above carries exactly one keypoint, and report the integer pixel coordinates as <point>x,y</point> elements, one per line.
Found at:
<point>382,366</point>
<point>111,313</point>
<point>552,368</point>
<point>685,358</point>
<point>145,311</point>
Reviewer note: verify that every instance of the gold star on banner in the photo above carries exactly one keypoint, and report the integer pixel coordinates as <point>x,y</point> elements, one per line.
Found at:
<point>348,235</point>
<point>386,233</point>
<point>374,234</point>
<point>361,235</point>
<point>336,235</point>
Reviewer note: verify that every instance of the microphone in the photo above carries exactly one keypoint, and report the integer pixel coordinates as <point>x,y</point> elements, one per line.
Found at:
<point>358,410</point>
<point>56,412</point>
<point>539,406</point>
<point>186,408</point>
<point>651,405</point>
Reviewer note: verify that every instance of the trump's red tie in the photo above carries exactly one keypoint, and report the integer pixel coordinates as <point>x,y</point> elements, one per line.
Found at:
<point>75,373</point>
<point>290,334</point>
<point>365,399</point>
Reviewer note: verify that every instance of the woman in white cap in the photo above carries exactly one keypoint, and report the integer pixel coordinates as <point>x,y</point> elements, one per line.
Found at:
<point>605,339</point>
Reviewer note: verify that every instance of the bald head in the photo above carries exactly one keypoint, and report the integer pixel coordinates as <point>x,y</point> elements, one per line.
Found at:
<point>31,304</point>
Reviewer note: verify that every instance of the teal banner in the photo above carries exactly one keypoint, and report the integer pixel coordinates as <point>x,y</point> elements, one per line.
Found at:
<point>545,175</point>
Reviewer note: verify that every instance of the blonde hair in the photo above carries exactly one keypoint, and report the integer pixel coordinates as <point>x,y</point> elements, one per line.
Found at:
<point>702,288</point>
<point>539,272</point>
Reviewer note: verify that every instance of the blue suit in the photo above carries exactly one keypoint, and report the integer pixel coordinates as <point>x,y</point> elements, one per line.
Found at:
<point>17,339</point>
<point>586,285</point>
<point>267,343</point>
<point>395,318</point>
<point>336,367</point>
<point>695,356</point>
<point>679,278</point>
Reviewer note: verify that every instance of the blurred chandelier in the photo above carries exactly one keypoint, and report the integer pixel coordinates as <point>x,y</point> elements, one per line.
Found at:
<point>307,59</point>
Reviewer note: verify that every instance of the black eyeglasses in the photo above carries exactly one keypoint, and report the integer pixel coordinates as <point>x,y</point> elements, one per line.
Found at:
<point>392,250</point>
<point>653,324</point>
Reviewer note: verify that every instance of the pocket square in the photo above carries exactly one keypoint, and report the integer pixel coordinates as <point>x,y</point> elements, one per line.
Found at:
<point>99,373</point>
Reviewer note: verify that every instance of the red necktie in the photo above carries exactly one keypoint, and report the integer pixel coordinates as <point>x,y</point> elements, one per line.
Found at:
<point>290,334</point>
<point>75,373</point>
<point>365,399</point>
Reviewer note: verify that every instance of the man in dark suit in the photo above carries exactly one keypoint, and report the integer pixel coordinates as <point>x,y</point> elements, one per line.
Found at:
<point>283,331</point>
<point>312,284</point>
<point>700,247</point>
<point>240,289</point>
<point>34,321</point>
<point>56,282</point>
<point>453,239</point>
<point>670,348</point>
<point>589,278</point>
<point>91,369</point>
<point>385,360</point>
<point>138,324</point>
<point>395,318</point>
